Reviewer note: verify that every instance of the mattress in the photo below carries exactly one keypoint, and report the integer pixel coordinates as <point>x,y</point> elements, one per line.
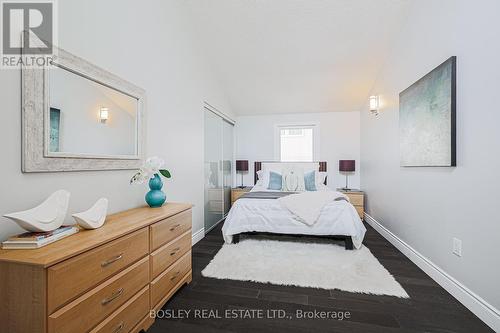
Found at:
<point>337,218</point>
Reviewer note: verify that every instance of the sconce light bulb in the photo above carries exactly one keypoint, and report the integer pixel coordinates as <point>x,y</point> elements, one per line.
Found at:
<point>103,114</point>
<point>374,104</point>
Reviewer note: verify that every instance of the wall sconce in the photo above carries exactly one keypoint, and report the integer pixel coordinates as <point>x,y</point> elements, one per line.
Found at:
<point>103,115</point>
<point>374,105</point>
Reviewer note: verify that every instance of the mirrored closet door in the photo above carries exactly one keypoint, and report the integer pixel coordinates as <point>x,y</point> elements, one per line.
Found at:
<point>218,167</point>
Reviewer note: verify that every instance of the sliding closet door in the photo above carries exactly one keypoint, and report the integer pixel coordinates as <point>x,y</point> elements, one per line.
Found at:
<point>218,168</point>
<point>227,135</point>
<point>214,183</point>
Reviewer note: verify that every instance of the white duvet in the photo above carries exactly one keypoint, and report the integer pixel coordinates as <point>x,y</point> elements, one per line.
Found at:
<point>336,218</point>
<point>307,206</point>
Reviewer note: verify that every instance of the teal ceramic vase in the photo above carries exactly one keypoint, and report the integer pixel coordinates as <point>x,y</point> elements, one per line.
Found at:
<point>155,197</point>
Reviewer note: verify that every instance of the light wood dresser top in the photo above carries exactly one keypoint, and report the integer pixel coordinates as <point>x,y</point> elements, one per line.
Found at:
<point>116,226</point>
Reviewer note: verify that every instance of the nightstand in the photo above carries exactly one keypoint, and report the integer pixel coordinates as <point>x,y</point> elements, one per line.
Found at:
<point>238,192</point>
<point>357,199</point>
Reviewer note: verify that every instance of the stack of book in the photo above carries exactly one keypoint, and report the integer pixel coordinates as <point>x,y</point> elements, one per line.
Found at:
<point>34,240</point>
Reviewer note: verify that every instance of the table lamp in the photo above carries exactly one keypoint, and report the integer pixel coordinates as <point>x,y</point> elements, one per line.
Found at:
<point>242,166</point>
<point>347,166</point>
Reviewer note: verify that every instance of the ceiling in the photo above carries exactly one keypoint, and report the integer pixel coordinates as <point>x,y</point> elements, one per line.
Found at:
<point>290,56</point>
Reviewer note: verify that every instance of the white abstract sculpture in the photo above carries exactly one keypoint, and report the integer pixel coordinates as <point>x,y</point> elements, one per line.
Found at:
<point>94,217</point>
<point>47,216</point>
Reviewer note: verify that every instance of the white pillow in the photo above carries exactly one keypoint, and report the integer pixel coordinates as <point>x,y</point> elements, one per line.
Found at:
<point>300,178</point>
<point>291,181</point>
<point>320,177</point>
<point>263,178</point>
<point>296,182</point>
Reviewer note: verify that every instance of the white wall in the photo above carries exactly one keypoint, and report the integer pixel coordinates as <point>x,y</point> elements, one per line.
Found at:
<point>427,207</point>
<point>339,139</point>
<point>150,44</point>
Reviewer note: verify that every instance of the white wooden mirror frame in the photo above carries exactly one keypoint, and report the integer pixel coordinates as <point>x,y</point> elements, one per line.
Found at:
<point>35,118</point>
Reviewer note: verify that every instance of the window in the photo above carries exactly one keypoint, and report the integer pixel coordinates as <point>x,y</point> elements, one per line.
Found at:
<point>292,132</point>
<point>296,143</point>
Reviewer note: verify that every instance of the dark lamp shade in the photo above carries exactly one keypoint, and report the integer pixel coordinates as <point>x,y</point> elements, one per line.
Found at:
<point>242,165</point>
<point>347,165</point>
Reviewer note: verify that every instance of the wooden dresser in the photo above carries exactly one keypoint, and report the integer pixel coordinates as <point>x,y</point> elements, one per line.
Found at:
<point>357,199</point>
<point>103,280</point>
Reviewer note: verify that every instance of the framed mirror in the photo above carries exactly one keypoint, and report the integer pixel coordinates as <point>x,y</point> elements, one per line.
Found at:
<point>77,116</point>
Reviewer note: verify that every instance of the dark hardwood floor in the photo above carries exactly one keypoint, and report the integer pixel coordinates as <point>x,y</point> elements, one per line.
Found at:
<point>429,309</point>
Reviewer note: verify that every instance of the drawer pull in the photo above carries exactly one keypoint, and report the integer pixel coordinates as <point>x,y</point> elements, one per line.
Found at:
<point>174,251</point>
<point>175,227</point>
<point>112,260</point>
<point>175,276</point>
<point>114,296</point>
<point>119,328</point>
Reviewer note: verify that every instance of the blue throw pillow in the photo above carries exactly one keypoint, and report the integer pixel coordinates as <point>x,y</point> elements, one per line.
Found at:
<point>275,181</point>
<point>310,181</point>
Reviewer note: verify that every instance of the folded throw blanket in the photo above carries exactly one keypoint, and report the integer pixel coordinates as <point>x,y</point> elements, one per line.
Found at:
<point>265,195</point>
<point>307,206</point>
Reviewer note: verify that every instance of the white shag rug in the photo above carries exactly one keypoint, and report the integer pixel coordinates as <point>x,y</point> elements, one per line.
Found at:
<point>316,265</point>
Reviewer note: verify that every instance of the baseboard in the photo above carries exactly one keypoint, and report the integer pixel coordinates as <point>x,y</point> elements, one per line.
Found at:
<point>216,224</point>
<point>198,236</point>
<point>485,311</point>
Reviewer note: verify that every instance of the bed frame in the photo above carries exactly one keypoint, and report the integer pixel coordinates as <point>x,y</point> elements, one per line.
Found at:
<point>347,239</point>
<point>322,168</point>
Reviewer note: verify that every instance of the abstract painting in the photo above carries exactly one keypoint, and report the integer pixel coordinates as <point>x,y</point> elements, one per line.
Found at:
<point>427,119</point>
<point>55,123</point>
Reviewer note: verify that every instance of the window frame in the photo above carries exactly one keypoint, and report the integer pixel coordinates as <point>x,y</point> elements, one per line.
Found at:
<point>306,125</point>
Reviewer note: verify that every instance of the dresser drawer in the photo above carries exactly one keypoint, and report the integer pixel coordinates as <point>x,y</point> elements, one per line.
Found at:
<point>166,230</point>
<point>127,316</point>
<point>74,276</point>
<point>166,255</point>
<point>168,279</point>
<point>90,309</point>
<point>143,325</point>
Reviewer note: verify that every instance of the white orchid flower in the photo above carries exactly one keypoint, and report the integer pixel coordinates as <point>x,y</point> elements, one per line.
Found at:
<point>150,167</point>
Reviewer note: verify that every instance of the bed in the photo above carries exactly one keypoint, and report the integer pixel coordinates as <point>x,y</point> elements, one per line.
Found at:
<point>262,210</point>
